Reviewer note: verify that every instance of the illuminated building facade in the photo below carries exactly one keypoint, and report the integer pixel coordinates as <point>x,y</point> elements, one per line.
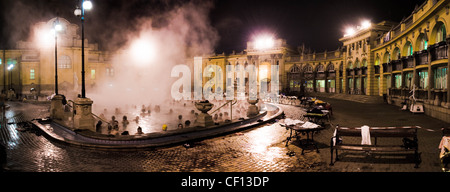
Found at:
<point>29,69</point>
<point>386,59</point>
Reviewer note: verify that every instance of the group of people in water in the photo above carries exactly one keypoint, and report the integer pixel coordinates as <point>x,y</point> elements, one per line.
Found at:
<point>114,127</point>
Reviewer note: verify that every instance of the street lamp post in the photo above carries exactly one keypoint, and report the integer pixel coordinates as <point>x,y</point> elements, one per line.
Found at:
<point>56,27</point>
<point>83,118</point>
<point>85,5</point>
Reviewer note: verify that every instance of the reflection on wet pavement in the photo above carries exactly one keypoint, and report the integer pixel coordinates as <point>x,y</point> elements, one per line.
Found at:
<point>257,149</point>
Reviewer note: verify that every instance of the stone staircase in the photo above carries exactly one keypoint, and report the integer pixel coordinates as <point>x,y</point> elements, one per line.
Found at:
<point>356,98</point>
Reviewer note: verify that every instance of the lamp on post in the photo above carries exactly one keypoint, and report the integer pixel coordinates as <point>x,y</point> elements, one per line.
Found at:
<point>86,5</point>
<point>83,118</point>
<point>56,27</point>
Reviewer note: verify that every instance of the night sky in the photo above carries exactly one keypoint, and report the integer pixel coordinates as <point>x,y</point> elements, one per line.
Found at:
<point>316,23</point>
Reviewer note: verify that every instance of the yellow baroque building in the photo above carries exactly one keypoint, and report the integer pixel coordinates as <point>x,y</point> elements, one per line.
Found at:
<point>29,70</point>
<point>385,60</point>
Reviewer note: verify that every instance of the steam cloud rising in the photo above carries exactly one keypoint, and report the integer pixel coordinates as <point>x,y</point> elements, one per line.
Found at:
<point>143,65</point>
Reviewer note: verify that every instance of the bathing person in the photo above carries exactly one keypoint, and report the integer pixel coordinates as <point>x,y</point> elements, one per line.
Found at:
<point>187,123</point>
<point>98,126</point>
<point>180,117</point>
<point>113,120</point>
<point>139,131</point>
<point>220,117</point>
<point>125,122</point>
<point>136,119</point>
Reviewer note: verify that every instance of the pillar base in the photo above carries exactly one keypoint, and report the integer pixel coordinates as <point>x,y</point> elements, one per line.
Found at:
<point>204,120</point>
<point>56,108</point>
<point>83,118</point>
<point>252,111</point>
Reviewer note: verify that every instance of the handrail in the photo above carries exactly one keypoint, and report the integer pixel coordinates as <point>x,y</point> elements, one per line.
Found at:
<point>223,106</point>
<point>100,118</point>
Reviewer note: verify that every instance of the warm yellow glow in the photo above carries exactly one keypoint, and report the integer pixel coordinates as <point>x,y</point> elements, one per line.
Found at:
<point>264,42</point>
<point>263,72</point>
<point>350,31</point>
<point>142,51</point>
<point>366,24</point>
<point>44,37</point>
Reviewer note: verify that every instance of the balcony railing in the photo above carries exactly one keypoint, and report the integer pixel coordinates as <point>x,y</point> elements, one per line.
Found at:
<point>377,69</point>
<point>439,51</point>
<point>421,57</point>
<point>387,67</point>
<point>350,72</point>
<point>396,65</point>
<point>408,62</point>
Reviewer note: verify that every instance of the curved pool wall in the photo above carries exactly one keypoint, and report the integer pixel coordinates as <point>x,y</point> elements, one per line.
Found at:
<point>59,133</point>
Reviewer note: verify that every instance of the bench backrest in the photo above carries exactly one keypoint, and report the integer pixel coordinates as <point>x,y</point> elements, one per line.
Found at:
<point>406,131</point>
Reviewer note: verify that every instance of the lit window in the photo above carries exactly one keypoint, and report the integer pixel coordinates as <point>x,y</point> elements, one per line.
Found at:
<point>440,78</point>
<point>423,43</point>
<point>92,73</point>
<point>423,79</point>
<point>441,33</point>
<point>64,62</point>
<point>377,61</point>
<point>32,74</point>
<point>410,50</point>
<point>398,80</point>
<point>408,79</point>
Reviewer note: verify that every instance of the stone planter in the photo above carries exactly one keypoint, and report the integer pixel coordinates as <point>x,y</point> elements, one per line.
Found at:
<point>252,109</point>
<point>204,119</point>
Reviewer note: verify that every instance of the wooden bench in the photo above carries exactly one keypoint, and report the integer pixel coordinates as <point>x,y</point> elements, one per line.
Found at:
<point>407,133</point>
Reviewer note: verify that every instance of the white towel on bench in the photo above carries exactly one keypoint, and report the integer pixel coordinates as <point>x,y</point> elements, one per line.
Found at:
<point>365,135</point>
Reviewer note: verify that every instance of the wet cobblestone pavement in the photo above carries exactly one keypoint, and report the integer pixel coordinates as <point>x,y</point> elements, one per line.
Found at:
<point>258,149</point>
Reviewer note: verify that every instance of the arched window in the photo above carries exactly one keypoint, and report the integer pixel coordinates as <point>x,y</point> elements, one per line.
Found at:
<point>356,65</point>
<point>320,68</point>
<point>64,62</point>
<point>330,67</point>
<point>377,61</point>
<point>423,42</point>
<point>396,54</point>
<point>364,63</point>
<point>387,57</point>
<point>441,33</point>
<point>295,69</point>
<point>308,69</point>
<point>349,65</point>
<point>408,49</point>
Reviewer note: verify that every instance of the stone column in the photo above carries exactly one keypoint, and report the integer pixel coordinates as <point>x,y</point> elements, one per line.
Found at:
<point>83,118</point>
<point>56,108</point>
